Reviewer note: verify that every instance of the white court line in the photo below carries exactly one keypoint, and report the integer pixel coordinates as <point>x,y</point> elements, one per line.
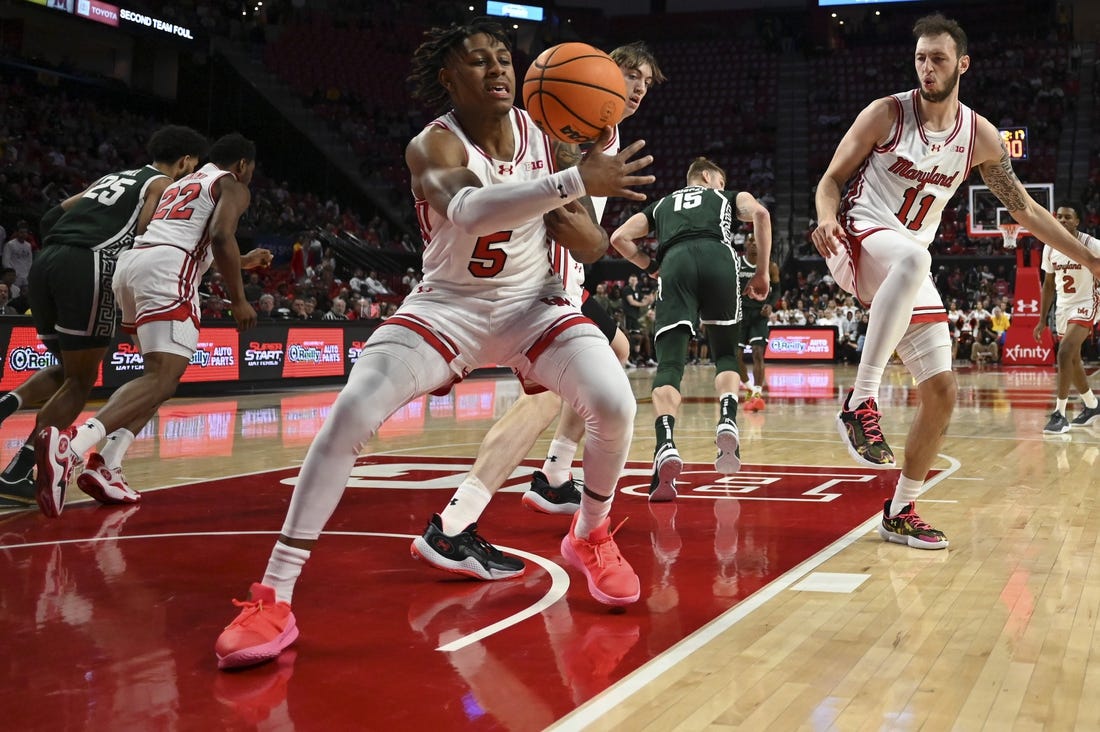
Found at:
<point>559,578</point>
<point>615,695</point>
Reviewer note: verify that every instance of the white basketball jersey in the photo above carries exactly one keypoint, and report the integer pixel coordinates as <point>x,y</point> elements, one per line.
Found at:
<point>183,215</point>
<point>1074,285</point>
<point>499,265</point>
<point>905,183</point>
<point>569,269</point>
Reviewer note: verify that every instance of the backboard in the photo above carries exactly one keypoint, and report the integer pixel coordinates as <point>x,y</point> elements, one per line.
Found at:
<point>986,212</point>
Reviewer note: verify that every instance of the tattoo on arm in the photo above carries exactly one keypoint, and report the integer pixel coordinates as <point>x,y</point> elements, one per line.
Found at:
<point>1004,184</point>
<point>566,155</point>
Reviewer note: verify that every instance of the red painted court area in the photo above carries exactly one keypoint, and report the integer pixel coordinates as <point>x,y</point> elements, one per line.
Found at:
<point>108,615</point>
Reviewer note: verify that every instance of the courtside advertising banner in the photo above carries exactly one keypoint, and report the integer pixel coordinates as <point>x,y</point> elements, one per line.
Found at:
<point>314,352</point>
<point>794,343</point>
<point>215,358</point>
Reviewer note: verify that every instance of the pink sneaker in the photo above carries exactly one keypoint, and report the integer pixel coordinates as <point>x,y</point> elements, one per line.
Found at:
<point>611,579</point>
<point>56,463</point>
<point>259,633</point>
<point>104,484</point>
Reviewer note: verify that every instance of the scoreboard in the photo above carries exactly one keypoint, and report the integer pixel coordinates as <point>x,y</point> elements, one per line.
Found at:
<point>1015,141</point>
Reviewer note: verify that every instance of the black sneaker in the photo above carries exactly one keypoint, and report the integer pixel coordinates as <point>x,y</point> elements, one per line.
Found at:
<point>726,438</point>
<point>1088,416</point>
<point>667,465</point>
<point>17,491</point>
<point>464,553</point>
<point>545,498</point>
<point>1057,425</point>
<point>862,434</point>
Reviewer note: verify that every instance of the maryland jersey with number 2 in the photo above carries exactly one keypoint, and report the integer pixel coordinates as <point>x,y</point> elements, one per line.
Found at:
<point>183,215</point>
<point>905,183</point>
<point>502,264</point>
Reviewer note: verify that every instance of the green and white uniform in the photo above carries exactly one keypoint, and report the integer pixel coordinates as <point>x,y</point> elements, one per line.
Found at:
<point>71,299</point>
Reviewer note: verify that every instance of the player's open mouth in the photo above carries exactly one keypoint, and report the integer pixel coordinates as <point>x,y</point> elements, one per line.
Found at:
<point>499,90</point>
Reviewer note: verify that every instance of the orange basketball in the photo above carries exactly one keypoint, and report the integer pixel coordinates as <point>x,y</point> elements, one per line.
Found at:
<point>573,90</point>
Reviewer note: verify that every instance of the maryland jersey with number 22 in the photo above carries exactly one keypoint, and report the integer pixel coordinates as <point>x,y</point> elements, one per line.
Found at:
<point>499,265</point>
<point>904,184</point>
<point>183,215</point>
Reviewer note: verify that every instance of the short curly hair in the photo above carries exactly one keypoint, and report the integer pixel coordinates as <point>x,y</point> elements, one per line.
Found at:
<point>433,54</point>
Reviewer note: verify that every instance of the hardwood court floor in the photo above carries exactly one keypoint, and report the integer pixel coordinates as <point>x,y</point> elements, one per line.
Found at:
<point>769,601</point>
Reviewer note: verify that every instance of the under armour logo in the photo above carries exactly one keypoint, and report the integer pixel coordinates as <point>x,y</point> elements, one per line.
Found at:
<point>504,169</point>
<point>552,458</point>
<point>1030,306</point>
<point>936,147</point>
<point>454,502</point>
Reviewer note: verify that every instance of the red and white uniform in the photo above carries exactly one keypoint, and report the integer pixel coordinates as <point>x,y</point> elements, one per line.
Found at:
<point>569,269</point>
<point>492,299</point>
<point>1074,286</point>
<point>900,191</point>
<point>158,278</point>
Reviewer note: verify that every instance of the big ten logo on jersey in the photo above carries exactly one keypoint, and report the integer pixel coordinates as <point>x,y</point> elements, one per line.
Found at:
<point>127,357</point>
<point>526,167</point>
<point>259,353</point>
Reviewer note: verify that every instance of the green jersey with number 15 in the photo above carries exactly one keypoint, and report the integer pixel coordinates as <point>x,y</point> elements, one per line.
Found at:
<point>695,212</point>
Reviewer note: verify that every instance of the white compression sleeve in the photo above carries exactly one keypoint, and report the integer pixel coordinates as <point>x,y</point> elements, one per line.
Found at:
<point>493,208</point>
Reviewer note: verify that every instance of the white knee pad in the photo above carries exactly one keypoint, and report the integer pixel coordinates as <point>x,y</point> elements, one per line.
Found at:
<point>925,349</point>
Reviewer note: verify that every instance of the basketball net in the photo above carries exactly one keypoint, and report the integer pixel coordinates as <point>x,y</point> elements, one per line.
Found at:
<point>1009,233</point>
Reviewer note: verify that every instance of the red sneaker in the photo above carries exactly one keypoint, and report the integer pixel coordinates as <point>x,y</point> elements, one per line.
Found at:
<point>259,633</point>
<point>104,484</point>
<point>56,463</point>
<point>611,579</point>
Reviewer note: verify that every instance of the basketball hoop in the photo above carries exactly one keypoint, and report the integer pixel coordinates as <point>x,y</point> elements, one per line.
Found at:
<point>1009,233</point>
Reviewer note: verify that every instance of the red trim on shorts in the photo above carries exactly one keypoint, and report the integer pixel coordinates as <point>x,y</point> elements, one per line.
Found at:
<point>181,312</point>
<point>1086,324</point>
<point>529,387</point>
<point>560,326</point>
<point>443,346</point>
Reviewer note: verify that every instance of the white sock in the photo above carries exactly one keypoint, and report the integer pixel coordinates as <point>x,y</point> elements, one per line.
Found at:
<point>118,442</point>
<point>1060,406</point>
<point>466,506</point>
<point>592,514</point>
<point>868,380</point>
<point>88,435</point>
<point>905,493</point>
<point>283,570</point>
<point>1089,399</point>
<point>559,460</point>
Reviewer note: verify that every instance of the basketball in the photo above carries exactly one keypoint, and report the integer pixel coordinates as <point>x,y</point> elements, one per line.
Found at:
<point>573,90</point>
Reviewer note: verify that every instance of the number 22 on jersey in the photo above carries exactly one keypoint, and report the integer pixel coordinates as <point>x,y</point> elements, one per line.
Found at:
<point>175,204</point>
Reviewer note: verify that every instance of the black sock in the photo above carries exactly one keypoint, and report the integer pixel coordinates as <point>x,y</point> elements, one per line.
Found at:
<point>663,426</point>
<point>8,404</point>
<point>727,409</point>
<point>20,465</point>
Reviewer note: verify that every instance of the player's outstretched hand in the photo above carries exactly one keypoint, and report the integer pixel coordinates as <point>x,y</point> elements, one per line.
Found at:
<point>615,175</point>
<point>828,238</point>
<point>256,258</point>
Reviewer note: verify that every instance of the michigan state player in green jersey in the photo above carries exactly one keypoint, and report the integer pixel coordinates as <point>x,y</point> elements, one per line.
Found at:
<point>754,322</point>
<point>698,279</point>
<point>71,299</point>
